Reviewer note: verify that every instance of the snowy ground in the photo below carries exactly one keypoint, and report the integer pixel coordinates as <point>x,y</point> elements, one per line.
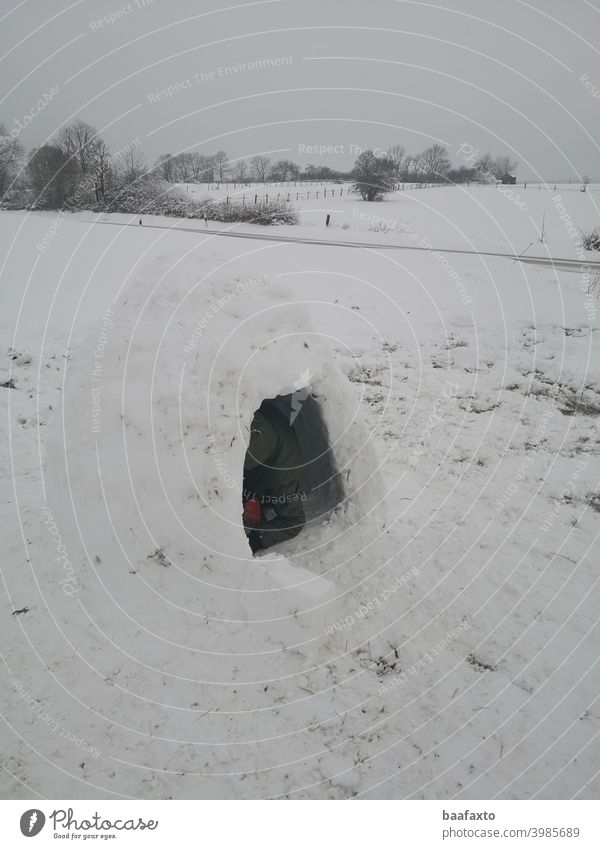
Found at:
<point>507,218</point>
<point>473,673</point>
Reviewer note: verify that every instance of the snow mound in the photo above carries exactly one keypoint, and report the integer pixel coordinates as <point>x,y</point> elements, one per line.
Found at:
<point>148,455</point>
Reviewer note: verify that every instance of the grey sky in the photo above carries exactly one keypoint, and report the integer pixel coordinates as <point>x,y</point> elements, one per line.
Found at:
<point>509,77</point>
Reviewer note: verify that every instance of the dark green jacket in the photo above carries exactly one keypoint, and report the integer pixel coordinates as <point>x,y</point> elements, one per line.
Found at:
<point>272,473</point>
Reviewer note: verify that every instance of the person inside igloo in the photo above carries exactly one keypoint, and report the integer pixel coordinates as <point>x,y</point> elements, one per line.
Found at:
<point>273,496</point>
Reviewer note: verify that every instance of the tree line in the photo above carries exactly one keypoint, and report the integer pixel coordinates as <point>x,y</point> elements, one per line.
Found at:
<point>79,165</point>
<point>376,175</point>
<point>391,168</point>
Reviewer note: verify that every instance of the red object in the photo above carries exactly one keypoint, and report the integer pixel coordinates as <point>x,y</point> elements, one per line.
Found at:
<point>252,513</point>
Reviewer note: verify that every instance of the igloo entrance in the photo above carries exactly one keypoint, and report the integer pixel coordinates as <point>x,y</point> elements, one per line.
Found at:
<point>290,477</point>
<point>169,456</point>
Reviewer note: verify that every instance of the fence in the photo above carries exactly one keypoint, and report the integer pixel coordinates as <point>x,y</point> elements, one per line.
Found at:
<point>326,192</point>
<point>279,197</point>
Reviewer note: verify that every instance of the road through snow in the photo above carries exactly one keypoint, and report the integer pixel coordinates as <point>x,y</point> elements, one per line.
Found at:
<point>562,263</point>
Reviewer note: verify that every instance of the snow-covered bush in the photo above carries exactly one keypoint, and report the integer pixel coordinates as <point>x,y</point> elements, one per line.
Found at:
<point>151,197</point>
<point>148,195</point>
<point>264,213</point>
<point>372,178</point>
<point>19,196</point>
<point>591,240</point>
<point>156,197</point>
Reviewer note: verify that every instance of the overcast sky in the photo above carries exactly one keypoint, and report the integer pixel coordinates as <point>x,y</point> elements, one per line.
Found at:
<point>509,77</point>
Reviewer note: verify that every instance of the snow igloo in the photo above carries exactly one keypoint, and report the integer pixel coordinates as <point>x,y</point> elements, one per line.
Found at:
<point>145,461</point>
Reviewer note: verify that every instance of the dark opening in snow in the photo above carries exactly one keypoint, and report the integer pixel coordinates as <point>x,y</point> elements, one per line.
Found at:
<point>322,483</point>
<point>297,483</point>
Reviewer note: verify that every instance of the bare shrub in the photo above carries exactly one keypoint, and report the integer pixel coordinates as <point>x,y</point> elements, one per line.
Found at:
<point>591,240</point>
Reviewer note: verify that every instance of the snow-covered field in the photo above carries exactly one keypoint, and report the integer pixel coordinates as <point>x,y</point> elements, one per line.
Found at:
<point>434,637</point>
<point>507,218</point>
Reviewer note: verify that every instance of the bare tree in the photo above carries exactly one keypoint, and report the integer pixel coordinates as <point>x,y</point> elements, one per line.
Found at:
<point>461,175</point>
<point>260,167</point>
<point>209,169</point>
<point>164,167</point>
<point>485,168</point>
<point>409,169</point>
<point>11,153</point>
<point>102,167</point>
<point>435,162</point>
<point>184,167</point>
<point>241,170</point>
<point>81,142</point>
<point>53,175</point>
<point>282,170</point>
<point>199,165</point>
<point>397,157</point>
<point>130,167</point>
<point>102,156</point>
<point>221,165</point>
<point>504,167</point>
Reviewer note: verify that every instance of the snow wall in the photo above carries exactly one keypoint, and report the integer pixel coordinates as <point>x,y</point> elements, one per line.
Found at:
<point>144,463</point>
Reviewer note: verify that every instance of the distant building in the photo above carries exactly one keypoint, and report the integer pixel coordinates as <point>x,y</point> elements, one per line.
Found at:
<point>508,180</point>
